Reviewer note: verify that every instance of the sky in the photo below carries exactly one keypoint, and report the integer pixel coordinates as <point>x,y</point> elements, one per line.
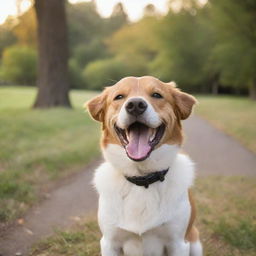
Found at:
<point>134,8</point>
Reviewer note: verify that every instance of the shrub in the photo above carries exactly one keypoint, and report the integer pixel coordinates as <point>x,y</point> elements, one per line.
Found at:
<point>104,72</point>
<point>19,65</point>
<point>101,73</point>
<point>75,75</point>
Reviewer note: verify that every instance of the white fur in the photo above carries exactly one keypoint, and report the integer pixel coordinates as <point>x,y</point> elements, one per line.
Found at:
<point>149,117</point>
<point>140,221</point>
<point>196,249</point>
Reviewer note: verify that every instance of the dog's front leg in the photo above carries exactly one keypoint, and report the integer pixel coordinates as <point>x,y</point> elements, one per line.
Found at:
<point>179,248</point>
<point>177,227</point>
<point>109,248</point>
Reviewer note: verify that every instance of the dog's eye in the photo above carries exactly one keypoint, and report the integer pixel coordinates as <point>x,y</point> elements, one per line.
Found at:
<point>156,95</point>
<point>119,97</point>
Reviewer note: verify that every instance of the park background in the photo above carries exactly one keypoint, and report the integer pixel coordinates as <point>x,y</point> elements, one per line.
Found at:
<point>55,55</point>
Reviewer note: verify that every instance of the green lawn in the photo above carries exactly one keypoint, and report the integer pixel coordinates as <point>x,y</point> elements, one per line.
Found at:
<point>39,146</point>
<point>226,220</point>
<point>236,116</point>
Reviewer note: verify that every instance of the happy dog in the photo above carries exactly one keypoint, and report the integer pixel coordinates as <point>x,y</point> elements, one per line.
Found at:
<point>145,202</point>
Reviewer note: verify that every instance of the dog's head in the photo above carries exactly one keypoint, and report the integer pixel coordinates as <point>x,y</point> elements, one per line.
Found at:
<point>141,114</point>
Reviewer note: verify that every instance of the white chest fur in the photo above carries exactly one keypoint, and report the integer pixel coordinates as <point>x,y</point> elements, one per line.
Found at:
<point>143,209</point>
<point>137,210</point>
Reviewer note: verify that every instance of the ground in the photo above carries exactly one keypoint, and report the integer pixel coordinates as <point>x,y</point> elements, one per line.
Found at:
<point>226,219</point>
<point>235,116</point>
<point>226,204</point>
<point>39,146</point>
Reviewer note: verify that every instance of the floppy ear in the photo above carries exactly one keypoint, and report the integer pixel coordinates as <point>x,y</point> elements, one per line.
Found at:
<point>184,103</point>
<point>95,107</point>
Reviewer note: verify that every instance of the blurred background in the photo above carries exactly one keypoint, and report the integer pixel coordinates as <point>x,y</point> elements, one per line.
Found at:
<point>206,46</point>
<point>57,54</point>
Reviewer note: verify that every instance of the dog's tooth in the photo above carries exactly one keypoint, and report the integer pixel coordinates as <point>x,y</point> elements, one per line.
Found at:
<point>127,134</point>
<point>153,135</point>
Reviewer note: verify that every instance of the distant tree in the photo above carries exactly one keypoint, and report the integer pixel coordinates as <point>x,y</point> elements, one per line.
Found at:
<point>135,44</point>
<point>234,55</point>
<point>25,28</point>
<point>7,37</point>
<point>150,11</point>
<point>118,17</point>
<point>186,40</point>
<point>85,24</point>
<point>88,45</point>
<point>53,82</point>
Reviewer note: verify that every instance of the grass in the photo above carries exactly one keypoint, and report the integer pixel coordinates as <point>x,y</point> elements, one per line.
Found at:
<point>39,146</point>
<point>236,116</point>
<point>227,215</point>
<point>226,219</point>
<point>82,240</point>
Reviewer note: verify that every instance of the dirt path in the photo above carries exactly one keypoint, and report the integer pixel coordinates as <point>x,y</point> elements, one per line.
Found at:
<point>213,151</point>
<point>64,205</point>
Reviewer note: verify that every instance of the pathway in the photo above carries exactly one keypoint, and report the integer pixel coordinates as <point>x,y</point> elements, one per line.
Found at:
<point>213,151</point>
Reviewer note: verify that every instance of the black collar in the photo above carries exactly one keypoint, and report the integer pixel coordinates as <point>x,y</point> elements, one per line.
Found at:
<point>148,179</point>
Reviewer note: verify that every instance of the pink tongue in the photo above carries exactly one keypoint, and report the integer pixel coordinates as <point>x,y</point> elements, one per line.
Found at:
<point>138,147</point>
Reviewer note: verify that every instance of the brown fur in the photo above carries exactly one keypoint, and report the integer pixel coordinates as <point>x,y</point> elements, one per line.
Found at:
<point>175,106</point>
<point>192,233</point>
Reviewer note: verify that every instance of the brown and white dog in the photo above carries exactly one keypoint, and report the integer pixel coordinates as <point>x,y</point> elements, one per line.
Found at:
<point>145,202</point>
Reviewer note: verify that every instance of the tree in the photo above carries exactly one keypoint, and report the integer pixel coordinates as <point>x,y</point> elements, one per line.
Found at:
<point>7,37</point>
<point>118,18</point>
<point>150,11</point>
<point>53,83</point>
<point>25,29</point>
<point>84,22</point>
<point>234,55</point>
<point>135,44</point>
<point>186,40</point>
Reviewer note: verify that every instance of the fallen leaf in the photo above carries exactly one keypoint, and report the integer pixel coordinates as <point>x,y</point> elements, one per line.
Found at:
<point>20,221</point>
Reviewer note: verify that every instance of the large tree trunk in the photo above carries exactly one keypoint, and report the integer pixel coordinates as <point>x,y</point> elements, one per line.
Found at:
<point>252,90</point>
<point>53,84</point>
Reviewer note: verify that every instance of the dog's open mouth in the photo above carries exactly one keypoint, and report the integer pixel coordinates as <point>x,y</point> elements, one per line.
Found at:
<point>139,139</point>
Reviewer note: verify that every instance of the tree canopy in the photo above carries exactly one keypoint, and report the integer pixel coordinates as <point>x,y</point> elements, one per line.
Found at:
<point>204,47</point>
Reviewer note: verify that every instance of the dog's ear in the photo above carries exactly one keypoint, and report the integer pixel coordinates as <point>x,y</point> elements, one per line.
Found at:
<point>184,103</point>
<point>95,107</point>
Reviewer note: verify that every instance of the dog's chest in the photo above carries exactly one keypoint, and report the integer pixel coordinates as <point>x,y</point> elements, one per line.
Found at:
<point>143,209</point>
<point>148,228</point>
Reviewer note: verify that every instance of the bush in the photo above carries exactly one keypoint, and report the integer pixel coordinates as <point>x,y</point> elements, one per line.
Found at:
<point>75,75</point>
<point>86,53</point>
<point>101,73</point>
<point>19,65</point>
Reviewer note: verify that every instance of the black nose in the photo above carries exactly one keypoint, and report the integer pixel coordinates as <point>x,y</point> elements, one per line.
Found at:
<point>136,106</point>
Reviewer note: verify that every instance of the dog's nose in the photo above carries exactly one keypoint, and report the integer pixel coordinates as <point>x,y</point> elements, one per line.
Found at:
<point>136,106</point>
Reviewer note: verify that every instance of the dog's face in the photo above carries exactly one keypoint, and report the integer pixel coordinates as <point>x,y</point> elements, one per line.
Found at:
<point>141,114</point>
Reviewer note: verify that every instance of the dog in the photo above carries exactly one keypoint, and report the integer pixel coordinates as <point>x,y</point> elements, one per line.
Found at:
<point>145,201</point>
